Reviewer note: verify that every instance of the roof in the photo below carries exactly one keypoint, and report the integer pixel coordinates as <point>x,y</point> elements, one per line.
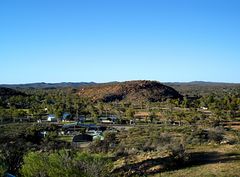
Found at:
<point>66,115</point>
<point>8,175</point>
<point>51,116</point>
<point>82,138</point>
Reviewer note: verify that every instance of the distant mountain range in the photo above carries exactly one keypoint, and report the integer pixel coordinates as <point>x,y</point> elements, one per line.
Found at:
<point>79,84</point>
<point>48,85</point>
<point>201,83</point>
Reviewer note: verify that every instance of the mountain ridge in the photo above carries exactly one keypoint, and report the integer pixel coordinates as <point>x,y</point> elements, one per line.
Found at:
<point>78,84</point>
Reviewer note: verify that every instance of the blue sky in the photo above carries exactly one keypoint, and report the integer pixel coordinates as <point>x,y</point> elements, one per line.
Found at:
<point>117,40</point>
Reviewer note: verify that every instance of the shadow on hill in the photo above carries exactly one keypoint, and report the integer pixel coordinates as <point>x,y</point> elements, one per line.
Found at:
<point>202,158</point>
<point>154,166</point>
<point>143,167</point>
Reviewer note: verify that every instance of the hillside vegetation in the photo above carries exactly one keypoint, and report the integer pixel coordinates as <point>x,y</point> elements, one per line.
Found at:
<point>7,92</point>
<point>204,88</point>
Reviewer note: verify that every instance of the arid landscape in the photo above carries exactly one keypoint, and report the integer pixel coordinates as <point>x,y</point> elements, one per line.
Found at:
<point>132,128</point>
<point>119,88</point>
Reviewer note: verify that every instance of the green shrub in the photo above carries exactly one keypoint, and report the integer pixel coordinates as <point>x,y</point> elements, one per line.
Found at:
<point>64,163</point>
<point>215,135</point>
<point>105,145</point>
<point>201,136</point>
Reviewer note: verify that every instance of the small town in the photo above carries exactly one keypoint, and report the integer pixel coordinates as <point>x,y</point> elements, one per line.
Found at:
<point>123,88</point>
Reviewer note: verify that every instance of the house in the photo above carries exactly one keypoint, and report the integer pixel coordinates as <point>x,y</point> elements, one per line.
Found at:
<point>66,117</point>
<point>204,108</point>
<point>132,122</point>
<point>81,119</point>
<point>93,132</point>
<point>96,134</point>
<point>72,128</point>
<point>43,134</point>
<point>99,136</point>
<point>51,118</point>
<point>108,120</point>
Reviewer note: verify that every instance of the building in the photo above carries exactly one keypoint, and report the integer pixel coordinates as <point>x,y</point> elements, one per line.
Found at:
<point>51,118</point>
<point>66,117</point>
<point>108,120</point>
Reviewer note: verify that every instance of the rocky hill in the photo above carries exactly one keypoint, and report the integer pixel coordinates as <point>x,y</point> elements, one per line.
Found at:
<point>129,91</point>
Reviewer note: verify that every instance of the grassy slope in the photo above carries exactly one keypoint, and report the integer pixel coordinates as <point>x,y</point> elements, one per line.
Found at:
<point>219,170</point>
<point>225,164</point>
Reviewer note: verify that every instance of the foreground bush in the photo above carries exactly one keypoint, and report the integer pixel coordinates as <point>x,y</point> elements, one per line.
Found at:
<point>64,163</point>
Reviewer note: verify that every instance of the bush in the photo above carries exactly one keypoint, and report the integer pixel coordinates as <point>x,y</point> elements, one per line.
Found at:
<point>201,136</point>
<point>145,139</point>
<point>3,166</point>
<point>93,165</point>
<point>198,136</point>
<point>64,163</point>
<point>35,164</point>
<point>215,135</point>
<point>104,146</point>
<point>178,152</point>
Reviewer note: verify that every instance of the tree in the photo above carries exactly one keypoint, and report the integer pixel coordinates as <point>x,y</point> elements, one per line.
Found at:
<point>93,112</point>
<point>130,113</point>
<point>3,166</point>
<point>152,116</point>
<point>58,113</point>
<point>2,115</point>
<point>1,103</point>
<point>216,117</point>
<point>180,116</point>
<point>35,164</point>
<point>100,108</point>
<point>185,103</point>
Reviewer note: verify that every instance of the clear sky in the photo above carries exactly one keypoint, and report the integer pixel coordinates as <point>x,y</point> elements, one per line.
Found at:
<point>117,40</point>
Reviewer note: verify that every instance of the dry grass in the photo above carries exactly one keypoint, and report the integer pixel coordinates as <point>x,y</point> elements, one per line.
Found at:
<point>226,165</point>
<point>230,169</point>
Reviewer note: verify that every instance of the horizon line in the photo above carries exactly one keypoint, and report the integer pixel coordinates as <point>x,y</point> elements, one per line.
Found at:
<point>76,82</point>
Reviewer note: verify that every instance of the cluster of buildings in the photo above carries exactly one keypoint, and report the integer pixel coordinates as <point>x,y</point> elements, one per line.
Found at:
<point>111,119</point>
<point>80,130</point>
